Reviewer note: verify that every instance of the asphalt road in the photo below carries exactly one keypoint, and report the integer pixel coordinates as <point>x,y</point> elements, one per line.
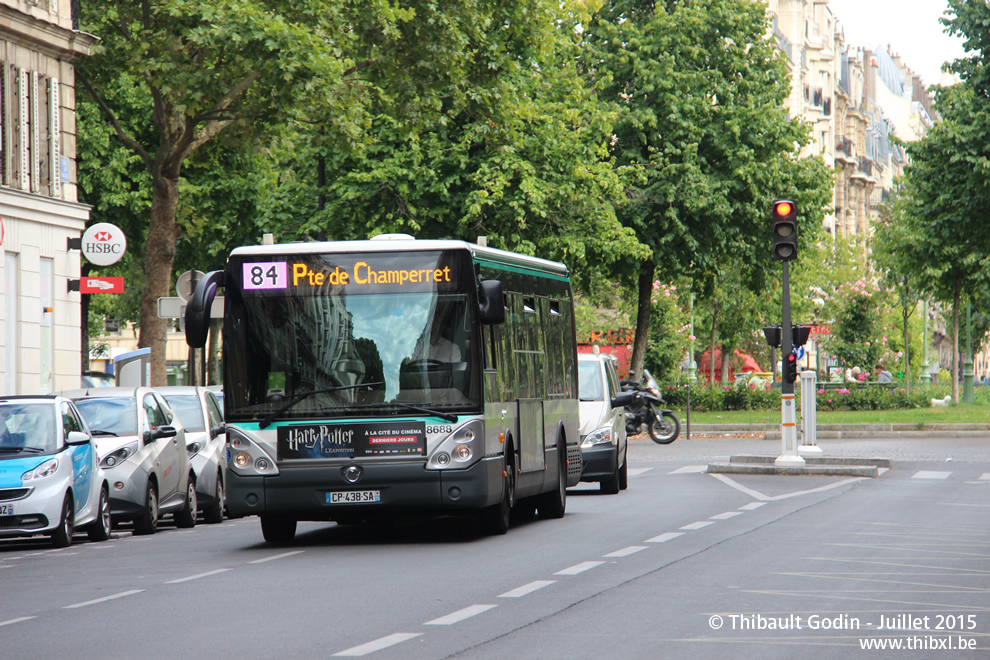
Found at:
<point>681,565</point>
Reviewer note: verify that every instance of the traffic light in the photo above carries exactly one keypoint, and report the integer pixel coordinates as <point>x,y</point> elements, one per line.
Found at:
<point>784,230</point>
<point>800,334</point>
<point>789,368</point>
<point>773,335</point>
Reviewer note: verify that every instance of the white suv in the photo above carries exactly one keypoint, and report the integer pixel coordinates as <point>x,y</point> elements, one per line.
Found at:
<point>603,425</point>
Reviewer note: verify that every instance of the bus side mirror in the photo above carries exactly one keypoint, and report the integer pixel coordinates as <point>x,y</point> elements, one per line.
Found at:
<point>198,309</point>
<point>491,302</point>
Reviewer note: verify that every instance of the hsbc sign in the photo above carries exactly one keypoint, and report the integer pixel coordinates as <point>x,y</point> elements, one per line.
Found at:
<point>104,244</point>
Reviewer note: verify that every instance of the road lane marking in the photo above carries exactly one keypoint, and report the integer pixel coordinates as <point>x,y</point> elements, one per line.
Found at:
<point>767,498</point>
<point>699,524</point>
<point>985,476</point>
<point>666,536</point>
<point>690,469</point>
<point>459,615</point>
<point>727,515</point>
<point>635,472</point>
<point>104,599</point>
<point>743,489</point>
<point>930,474</point>
<point>625,552</point>
<point>751,506</point>
<point>274,557</point>
<point>377,645</point>
<point>527,589</point>
<point>17,620</point>
<point>201,575</point>
<point>579,568</point>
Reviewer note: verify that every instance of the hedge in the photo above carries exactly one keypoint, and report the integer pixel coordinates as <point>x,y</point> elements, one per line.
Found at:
<point>706,398</point>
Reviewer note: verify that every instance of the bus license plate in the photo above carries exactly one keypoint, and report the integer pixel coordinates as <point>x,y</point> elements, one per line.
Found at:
<point>354,496</point>
<point>6,509</point>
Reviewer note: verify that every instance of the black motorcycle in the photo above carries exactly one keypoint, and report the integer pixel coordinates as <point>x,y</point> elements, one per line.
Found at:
<point>647,408</point>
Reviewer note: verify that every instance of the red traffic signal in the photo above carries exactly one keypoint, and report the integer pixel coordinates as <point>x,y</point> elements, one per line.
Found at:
<point>789,368</point>
<point>784,216</point>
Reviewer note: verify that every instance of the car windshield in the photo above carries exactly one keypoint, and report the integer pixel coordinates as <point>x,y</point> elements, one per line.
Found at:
<point>189,409</point>
<point>27,428</point>
<point>590,381</point>
<point>110,415</point>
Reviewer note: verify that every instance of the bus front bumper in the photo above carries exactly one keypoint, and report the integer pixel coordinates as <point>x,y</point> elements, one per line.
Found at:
<point>304,492</point>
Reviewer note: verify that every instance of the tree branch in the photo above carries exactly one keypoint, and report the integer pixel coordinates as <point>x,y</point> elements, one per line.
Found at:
<point>126,139</point>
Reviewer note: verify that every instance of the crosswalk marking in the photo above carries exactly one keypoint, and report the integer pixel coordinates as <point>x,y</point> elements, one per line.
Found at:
<point>930,474</point>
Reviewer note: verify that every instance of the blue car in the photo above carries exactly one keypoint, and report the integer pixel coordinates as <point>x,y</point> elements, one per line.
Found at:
<point>50,478</point>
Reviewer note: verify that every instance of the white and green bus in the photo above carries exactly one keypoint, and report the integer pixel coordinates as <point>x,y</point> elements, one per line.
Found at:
<point>394,377</point>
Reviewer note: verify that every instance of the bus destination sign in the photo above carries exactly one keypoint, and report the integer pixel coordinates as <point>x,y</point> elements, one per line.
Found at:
<point>308,441</point>
<point>300,276</point>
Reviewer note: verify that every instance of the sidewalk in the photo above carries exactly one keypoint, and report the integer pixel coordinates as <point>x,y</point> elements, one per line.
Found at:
<point>839,431</point>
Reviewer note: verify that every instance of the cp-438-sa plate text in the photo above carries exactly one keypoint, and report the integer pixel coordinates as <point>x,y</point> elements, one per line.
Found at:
<point>354,496</point>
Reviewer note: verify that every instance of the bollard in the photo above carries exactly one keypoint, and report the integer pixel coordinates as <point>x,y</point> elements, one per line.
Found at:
<point>809,419</point>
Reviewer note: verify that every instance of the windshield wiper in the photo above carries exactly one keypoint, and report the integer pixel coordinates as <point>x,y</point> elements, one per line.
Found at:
<point>450,417</point>
<point>103,432</point>
<point>33,450</point>
<point>299,397</point>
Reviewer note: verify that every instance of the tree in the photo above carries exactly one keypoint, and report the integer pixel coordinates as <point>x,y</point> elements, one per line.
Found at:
<point>703,136</point>
<point>193,70</point>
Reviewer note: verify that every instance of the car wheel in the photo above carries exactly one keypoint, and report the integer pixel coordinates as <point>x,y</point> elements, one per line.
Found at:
<point>624,472</point>
<point>62,537</point>
<point>147,522</point>
<point>277,529</point>
<point>214,513</point>
<point>100,529</point>
<point>187,516</point>
<point>610,486</point>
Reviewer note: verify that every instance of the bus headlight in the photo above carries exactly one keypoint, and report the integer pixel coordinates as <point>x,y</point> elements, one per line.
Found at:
<point>460,449</point>
<point>247,457</point>
<point>600,436</point>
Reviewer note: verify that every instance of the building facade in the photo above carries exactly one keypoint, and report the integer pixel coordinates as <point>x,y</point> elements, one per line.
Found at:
<point>39,211</point>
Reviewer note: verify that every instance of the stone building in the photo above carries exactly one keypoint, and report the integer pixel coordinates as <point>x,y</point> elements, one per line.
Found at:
<point>39,211</point>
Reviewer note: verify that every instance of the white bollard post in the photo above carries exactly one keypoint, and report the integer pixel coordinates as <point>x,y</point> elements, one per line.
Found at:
<point>809,417</point>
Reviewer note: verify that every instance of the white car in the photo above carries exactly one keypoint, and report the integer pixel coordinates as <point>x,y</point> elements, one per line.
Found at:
<point>206,440</point>
<point>50,478</point>
<point>603,423</point>
<point>142,448</point>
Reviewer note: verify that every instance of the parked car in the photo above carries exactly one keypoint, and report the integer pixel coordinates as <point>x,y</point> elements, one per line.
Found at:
<point>218,390</point>
<point>98,379</point>
<point>206,440</point>
<point>50,478</point>
<point>603,426</point>
<point>142,447</point>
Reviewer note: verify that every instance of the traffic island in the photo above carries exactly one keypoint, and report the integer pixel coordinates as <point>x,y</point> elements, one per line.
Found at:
<point>816,466</point>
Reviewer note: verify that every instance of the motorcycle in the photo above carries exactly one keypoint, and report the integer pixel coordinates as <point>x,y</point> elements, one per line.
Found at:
<point>647,408</point>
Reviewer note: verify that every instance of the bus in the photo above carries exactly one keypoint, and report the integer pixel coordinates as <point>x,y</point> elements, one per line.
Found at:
<point>394,377</point>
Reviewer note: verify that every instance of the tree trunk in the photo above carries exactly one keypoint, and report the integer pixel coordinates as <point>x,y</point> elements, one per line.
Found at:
<point>956,295</point>
<point>711,346</point>
<point>159,255</point>
<point>645,289</point>
<point>906,318</point>
<point>724,372</point>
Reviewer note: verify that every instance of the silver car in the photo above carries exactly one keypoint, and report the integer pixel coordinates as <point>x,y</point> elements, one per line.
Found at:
<point>142,448</point>
<point>202,417</point>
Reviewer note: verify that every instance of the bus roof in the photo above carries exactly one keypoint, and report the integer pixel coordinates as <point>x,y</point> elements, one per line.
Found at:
<point>402,245</point>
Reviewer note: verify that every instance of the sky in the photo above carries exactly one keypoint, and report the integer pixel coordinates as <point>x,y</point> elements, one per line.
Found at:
<point>911,27</point>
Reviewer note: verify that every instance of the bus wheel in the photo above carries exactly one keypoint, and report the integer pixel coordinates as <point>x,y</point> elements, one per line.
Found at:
<point>553,504</point>
<point>277,529</point>
<point>495,519</point>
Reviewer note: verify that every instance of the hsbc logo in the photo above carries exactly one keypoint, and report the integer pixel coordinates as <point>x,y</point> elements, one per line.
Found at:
<point>104,244</point>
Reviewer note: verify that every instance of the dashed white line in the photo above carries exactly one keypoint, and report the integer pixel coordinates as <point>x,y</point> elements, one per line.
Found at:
<point>930,474</point>
<point>17,620</point>
<point>579,568</point>
<point>377,645</point>
<point>526,589</point>
<point>727,515</point>
<point>201,575</point>
<point>459,615</point>
<point>625,552</point>
<point>274,557</point>
<point>635,472</point>
<point>699,524</point>
<point>985,476</point>
<point>104,599</point>
<point>666,536</point>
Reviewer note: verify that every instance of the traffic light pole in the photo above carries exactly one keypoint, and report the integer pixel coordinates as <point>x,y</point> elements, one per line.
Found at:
<point>789,456</point>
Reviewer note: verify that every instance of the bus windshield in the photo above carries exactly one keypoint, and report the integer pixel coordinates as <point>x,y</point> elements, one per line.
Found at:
<point>345,349</point>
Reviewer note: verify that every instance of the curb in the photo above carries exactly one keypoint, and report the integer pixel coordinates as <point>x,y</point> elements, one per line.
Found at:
<point>814,466</point>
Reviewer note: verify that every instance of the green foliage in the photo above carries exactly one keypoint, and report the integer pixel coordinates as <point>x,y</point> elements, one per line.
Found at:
<point>669,326</point>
